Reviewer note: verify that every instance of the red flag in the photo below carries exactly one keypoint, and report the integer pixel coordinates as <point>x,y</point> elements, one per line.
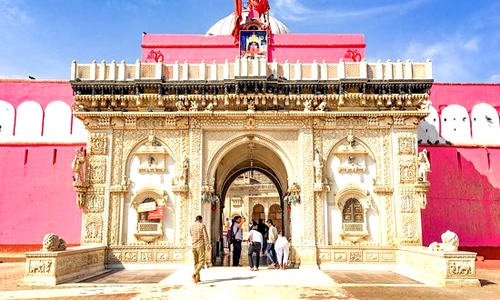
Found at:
<point>238,16</point>
<point>263,7</point>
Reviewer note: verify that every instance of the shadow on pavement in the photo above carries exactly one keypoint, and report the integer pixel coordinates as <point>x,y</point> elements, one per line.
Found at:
<point>485,282</point>
<point>227,279</point>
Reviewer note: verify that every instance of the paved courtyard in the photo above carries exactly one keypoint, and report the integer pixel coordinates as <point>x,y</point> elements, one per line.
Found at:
<point>241,283</point>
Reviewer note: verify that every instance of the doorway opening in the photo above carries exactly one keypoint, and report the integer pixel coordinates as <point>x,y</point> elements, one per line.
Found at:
<point>251,181</point>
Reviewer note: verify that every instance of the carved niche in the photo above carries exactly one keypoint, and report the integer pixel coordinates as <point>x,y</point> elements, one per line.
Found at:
<point>152,156</point>
<point>352,156</point>
<point>150,198</point>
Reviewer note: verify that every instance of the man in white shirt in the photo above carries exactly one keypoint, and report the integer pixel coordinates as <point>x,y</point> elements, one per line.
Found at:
<point>237,229</point>
<point>282,251</point>
<point>255,241</point>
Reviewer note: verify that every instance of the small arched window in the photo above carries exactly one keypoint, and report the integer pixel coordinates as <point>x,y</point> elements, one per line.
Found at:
<point>353,211</point>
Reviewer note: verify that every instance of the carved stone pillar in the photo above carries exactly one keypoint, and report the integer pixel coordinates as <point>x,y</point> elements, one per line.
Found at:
<point>319,194</point>
<point>307,249</point>
<point>385,194</point>
<point>181,221</point>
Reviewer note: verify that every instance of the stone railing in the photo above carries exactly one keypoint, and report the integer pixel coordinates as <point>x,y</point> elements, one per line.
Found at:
<point>52,268</point>
<point>450,269</point>
<point>251,68</point>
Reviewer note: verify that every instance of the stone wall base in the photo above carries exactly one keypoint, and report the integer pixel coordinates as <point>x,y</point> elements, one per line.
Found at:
<point>52,268</point>
<point>448,269</point>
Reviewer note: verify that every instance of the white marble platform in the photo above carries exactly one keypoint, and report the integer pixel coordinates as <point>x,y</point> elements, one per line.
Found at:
<point>243,276</point>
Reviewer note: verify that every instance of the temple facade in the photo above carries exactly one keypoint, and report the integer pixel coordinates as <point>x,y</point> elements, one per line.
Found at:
<point>346,146</point>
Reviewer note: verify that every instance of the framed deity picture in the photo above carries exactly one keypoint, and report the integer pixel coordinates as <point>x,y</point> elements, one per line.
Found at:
<point>253,44</point>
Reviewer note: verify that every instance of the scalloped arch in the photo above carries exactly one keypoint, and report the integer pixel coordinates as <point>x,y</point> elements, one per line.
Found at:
<point>241,139</point>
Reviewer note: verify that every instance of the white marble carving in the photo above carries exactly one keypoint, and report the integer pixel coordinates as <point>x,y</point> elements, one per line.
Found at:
<point>449,243</point>
<point>424,165</point>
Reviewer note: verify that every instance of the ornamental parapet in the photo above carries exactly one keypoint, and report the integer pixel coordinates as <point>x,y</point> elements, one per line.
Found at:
<point>251,85</point>
<point>243,67</point>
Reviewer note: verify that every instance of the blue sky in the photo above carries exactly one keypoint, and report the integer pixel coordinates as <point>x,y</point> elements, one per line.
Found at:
<point>41,37</point>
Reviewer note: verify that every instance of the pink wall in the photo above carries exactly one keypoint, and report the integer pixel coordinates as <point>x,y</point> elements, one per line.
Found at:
<point>17,91</point>
<point>465,94</point>
<point>464,196</point>
<point>291,47</point>
<point>38,197</point>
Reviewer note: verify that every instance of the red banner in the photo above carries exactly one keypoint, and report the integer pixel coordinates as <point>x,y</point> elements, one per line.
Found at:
<point>157,214</point>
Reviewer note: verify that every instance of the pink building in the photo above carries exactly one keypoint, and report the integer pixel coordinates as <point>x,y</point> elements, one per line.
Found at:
<point>38,137</point>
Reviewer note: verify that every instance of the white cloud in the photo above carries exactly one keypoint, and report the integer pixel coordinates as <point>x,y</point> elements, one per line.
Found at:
<point>296,11</point>
<point>451,57</point>
<point>11,13</point>
<point>472,45</point>
<point>495,78</point>
<point>133,4</point>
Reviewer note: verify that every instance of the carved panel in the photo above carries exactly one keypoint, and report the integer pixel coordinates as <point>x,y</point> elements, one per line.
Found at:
<point>356,256</point>
<point>94,203</point>
<point>387,161</point>
<point>387,256</point>
<point>177,256</point>
<point>389,220</point>
<point>408,170</point>
<point>162,256</point>
<point>118,157</point>
<point>406,144</point>
<point>147,256</point>
<point>39,266</point>
<point>371,256</point>
<point>408,203</point>
<point>410,229</point>
<point>146,123</point>
<point>347,122</point>
<point>98,143</point>
<point>114,256</point>
<point>340,256</point>
<point>130,256</point>
<point>97,169</point>
<point>460,268</point>
<point>325,256</point>
<point>113,218</point>
<point>92,229</point>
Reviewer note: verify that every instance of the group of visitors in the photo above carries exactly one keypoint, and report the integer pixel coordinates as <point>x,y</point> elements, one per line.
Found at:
<point>276,246</point>
<point>260,237</point>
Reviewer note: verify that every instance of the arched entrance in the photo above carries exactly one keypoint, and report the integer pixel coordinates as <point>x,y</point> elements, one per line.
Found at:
<point>247,154</point>
<point>276,214</point>
<point>258,212</point>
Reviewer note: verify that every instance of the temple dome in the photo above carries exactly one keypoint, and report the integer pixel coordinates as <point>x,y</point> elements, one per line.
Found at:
<point>225,26</point>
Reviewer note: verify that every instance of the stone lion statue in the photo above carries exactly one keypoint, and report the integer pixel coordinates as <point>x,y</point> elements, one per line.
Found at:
<point>52,243</point>
<point>449,244</point>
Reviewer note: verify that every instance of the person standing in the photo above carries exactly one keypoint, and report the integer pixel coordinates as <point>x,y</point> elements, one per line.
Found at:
<point>227,226</point>
<point>282,251</point>
<point>200,241</point>
<point>271,240</point>
<point>237,229</point>
<point>255,241</point>
<point>262,228</point>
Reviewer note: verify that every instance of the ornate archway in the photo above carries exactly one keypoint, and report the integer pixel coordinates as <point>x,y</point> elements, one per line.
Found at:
<point>237,156</point>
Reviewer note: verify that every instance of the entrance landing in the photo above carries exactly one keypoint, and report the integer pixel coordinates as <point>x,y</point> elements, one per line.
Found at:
<point>242,276</point>
<point>370,277</point>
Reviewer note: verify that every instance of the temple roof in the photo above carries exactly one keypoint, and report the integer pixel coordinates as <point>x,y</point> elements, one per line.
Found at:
<point>225,26</point>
